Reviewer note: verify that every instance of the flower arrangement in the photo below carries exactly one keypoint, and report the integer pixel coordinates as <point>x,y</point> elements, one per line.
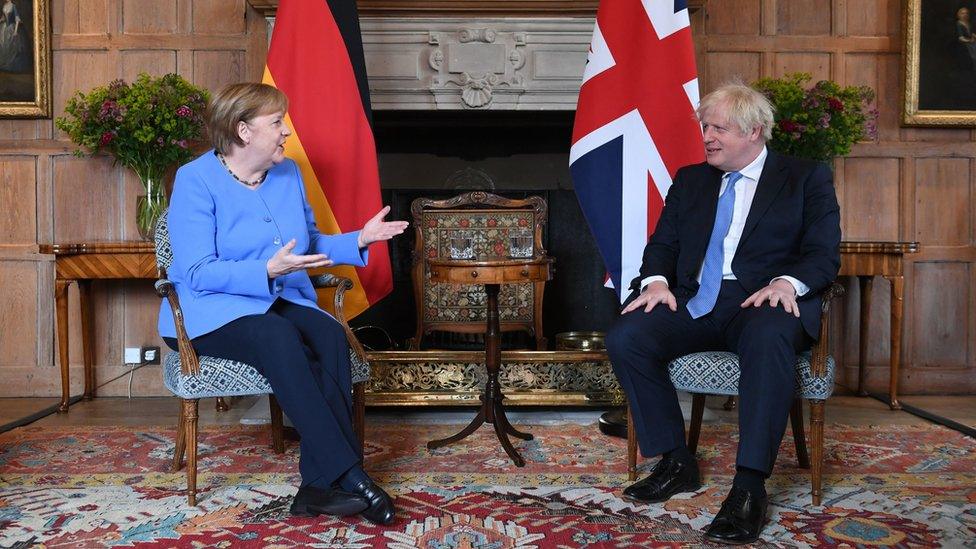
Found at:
<point>820,122</point>
<point>147,126</point>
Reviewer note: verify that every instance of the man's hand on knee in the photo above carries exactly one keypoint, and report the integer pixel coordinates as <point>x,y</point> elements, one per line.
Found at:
<point>654,293</point>
<point>778,292</point>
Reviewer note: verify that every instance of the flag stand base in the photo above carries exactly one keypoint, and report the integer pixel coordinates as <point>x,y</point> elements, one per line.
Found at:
<point>614,423</point>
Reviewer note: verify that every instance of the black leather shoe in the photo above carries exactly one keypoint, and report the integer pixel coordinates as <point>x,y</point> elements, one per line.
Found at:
<point>740,519</point>
<point>669,477</point>
<point>380,510</point>
<point>311,501</point>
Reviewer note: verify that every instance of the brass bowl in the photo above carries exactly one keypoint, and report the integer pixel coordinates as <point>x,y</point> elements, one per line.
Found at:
<point>580,341</point>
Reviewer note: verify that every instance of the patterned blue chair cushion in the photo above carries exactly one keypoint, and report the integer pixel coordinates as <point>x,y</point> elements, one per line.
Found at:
<point>717,373</point>
<point>220,377</point>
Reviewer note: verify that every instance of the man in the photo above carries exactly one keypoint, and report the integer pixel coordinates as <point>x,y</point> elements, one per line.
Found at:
<point>744,248</point>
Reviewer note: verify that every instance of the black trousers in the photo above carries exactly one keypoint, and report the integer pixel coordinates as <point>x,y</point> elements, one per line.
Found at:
<point>766,339</point>
<point>305,356</point>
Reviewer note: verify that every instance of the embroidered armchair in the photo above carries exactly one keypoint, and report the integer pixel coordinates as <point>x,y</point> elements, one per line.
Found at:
<point>192,377</point>
<point>488,221</point>
<point>717,373</point>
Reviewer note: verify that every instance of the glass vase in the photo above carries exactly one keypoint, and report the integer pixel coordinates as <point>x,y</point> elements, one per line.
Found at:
<point>150,206</point>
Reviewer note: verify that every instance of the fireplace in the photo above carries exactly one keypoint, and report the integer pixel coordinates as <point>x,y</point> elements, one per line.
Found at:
<point>439,154</point>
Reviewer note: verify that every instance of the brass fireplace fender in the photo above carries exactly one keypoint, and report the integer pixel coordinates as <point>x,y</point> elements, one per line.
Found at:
<point>455,378</point>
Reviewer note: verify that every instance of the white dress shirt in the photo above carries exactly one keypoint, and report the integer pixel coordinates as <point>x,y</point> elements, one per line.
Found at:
<point>745,190</point>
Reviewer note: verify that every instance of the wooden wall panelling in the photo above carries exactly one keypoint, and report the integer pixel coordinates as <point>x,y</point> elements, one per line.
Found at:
<point>732,17</point>
<point>943,201</point>
<point>942,317</point>
<point>872,18</point>
<point>815,63</point>
<point>154,62</point>
<point>869,197</point>
<point>803,17</point>
<point>149,17</point>
<point>140,318</point>
<point>725,66</point>
<point>18,315</point>
<point>82,17</point>
<point>45,200</point>
<point>220,16</point>
<point>18,200</point>
<point>79,70</point>
<point>86,199</point>
<point>214,69</point>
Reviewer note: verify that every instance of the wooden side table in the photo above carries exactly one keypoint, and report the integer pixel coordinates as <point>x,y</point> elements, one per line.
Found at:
<point>492,274</point>
<point>865,260</point>
<point>82,263</point>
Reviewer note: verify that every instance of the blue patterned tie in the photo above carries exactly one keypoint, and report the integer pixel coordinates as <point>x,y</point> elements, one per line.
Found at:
<point>711,277</point>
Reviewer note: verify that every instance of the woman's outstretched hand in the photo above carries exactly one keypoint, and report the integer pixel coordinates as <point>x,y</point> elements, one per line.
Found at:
<point>376,229</point>
<point>284,262</point>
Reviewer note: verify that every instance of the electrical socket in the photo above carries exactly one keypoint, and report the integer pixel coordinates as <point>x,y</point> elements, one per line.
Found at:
<point>132,355</point>
<point>150,355</point>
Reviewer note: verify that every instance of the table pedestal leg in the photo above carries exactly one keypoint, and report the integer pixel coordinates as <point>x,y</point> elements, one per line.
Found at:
<point>897,308</point>
<point>492,407</point>
<point>61,309</point>
<point>862,351</point>
<point>87,351</point>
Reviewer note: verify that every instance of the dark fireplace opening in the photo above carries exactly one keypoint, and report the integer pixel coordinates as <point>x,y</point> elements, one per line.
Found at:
<point>513,154</point>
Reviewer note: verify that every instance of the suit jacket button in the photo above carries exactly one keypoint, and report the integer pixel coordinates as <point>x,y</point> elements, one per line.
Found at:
<point>277,240</point>
<point>267,219</point>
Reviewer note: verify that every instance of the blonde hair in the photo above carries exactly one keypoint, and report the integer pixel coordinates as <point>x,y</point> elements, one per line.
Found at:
<point>746,107</point>
<point>237,103</point>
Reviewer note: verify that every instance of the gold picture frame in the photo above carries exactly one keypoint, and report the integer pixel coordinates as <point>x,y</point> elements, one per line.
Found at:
<point>25,59</point>
<point>938,64</point>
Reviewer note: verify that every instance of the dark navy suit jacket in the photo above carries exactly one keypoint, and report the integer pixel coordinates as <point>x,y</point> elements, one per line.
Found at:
<point>793,228</point>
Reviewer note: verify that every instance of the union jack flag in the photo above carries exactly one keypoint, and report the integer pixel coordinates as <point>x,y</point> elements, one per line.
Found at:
<point>635,125</point>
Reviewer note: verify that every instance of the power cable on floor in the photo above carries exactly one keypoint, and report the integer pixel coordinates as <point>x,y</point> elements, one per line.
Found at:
<point>43,413</point>
<point>925,414</point>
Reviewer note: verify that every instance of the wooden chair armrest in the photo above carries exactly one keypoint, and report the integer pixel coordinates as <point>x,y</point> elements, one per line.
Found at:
<point>818,358</point>
<point>341,284</point>
<point>189,363</point>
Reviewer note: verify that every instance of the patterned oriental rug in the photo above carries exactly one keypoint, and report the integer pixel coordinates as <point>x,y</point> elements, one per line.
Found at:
<point>891,486</point>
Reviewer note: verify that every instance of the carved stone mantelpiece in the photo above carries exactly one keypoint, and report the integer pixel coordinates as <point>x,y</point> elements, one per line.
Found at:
<point>471,8</point>
<point>475,64</point>
<point>473,55</point>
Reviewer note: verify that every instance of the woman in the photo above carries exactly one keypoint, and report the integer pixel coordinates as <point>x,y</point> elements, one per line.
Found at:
<point>243,235</point>
<point>12,50</point>
<point>964,34</point>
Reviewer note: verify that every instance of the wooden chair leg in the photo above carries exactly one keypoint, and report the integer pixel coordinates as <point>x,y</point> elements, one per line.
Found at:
<point>799,439</point>
<point>816,448</point>
<point>277,426</point>
<point>631,447</point>
<point>190,420</point>
<point>222,405</point>
<point>359,413</point>
<point>697,411</point>
<point>180,448</point>
<point>729,404</point>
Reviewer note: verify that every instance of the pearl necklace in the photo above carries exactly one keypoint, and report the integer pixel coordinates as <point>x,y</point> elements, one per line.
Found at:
<point>254,183</point>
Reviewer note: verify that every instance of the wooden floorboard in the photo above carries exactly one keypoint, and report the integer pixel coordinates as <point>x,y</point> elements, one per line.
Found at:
<point>164,410</point>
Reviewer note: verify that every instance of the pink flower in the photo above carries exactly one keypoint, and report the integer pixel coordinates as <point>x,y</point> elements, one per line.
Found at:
<point>106,138</point>
<point>835,104</point>
<point>184,112</point>
<point>788,126</point>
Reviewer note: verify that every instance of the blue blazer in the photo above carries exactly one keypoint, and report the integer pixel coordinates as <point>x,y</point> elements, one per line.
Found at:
<point>223,234</point>
<point>793,228</point>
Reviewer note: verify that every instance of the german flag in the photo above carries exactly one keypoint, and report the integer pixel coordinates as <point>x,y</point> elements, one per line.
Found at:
<point>316,58</point>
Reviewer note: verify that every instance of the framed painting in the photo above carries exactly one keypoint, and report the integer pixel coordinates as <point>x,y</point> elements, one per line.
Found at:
<point>939,63</point>
<point>25,59</point>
